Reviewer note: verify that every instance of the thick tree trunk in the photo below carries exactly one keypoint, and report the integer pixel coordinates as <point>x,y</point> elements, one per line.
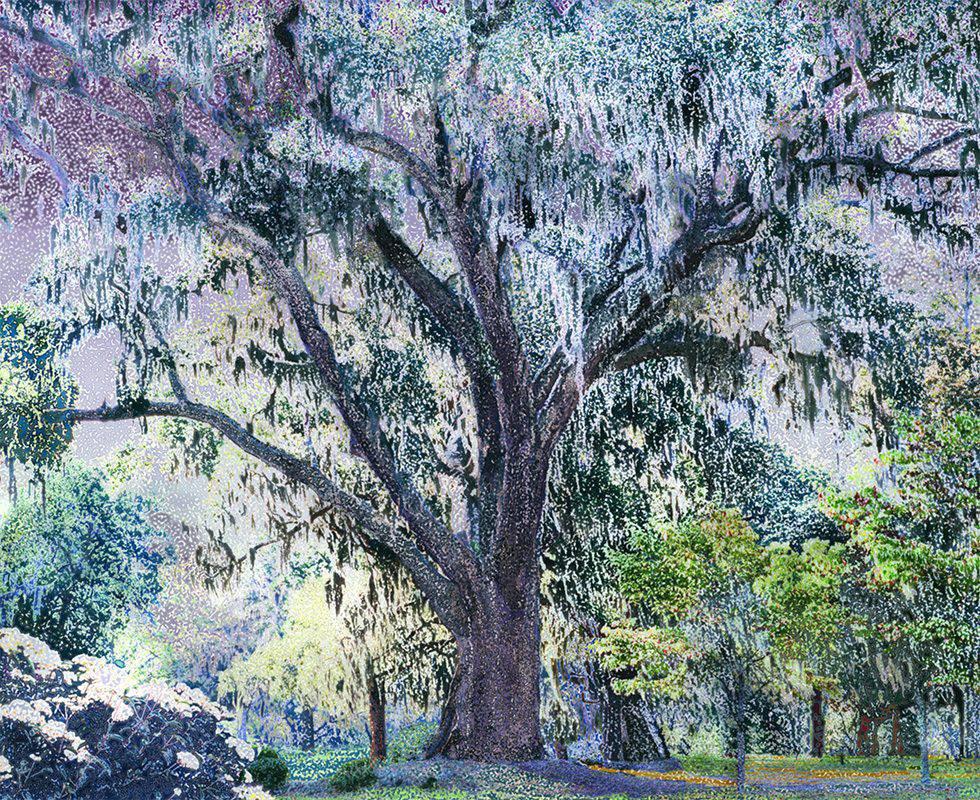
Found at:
<point>492,712</point>
<point>376,718</point>
<point>493,705</point>
<point>628,734</point>
<point>817,724</point>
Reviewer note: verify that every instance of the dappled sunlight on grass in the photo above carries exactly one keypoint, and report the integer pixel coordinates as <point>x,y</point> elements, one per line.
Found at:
<point>795,769</point>
<point>318,764</point>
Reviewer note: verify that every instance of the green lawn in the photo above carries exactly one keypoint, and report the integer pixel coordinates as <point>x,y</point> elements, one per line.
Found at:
<point>960,779</point>
<point>315,765</point>
<point>762,767</point>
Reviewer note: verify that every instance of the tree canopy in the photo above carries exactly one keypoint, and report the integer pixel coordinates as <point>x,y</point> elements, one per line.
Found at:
<point>72,572</point>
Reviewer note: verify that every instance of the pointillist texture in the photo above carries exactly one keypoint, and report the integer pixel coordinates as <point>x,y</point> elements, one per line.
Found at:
<point>592,378</point>
<point>92,733</point>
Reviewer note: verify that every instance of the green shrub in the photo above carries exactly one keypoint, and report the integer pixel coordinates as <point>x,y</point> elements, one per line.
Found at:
<point>410,742</point>
<point>352,776</point>
<point>269,769</point>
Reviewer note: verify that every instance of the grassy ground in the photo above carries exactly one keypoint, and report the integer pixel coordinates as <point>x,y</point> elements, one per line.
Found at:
<point>762,769</point>
<point>711,779</point>
<point>315,765</point>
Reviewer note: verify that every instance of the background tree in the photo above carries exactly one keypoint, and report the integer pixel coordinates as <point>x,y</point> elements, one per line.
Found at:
<point>807,618</point>
<point>36,391</point>
<point>351,643</point>
<point>579,182</point>
<point>72,573</point>
<point>696,580</point>
<point>657,447</point>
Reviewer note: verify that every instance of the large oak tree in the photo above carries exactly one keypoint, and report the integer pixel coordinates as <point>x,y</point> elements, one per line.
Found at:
<point>539,193</point>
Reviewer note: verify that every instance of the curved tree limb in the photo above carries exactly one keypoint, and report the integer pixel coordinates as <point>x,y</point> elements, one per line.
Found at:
<point>637,306</point>
<point>459,321</point>
<point>288,284</point>
<point>438,589</point>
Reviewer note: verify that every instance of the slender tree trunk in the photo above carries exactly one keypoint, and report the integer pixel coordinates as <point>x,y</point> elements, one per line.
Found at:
<point>817,724</point>
<point>243,725</point>
<point>561,750</point>
<point>922,700</point>
<point>310,728</point>
<point>897,748</point>
<point>864,734</point>
<point>11,481</point>
<point>376,718</point>
<point>971,722</point>
<point>740,738</point>
<point>960,700</point>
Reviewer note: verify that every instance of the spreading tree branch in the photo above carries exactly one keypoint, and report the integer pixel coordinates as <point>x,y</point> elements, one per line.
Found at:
<point>440,591</point>
<point>459,321</point>
<point>288,284</point>
<point>637,306</point>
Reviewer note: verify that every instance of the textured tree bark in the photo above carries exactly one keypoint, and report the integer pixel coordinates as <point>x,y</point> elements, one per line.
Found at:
<point>11,481</point>
<point>740,703</point>
<point>376,718</point>
<point>922,701</point>
<point>310,726</point>
<point>492,712</point>
<point>492,709</point>
<point>864,734</point>
<point>897,748</point>
<point>817,724</point>
<point>628,735</point>
<point>960,701</point>
<point>971,722</point>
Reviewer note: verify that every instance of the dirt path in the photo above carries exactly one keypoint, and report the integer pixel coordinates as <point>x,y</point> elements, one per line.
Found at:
<point>586,782</point>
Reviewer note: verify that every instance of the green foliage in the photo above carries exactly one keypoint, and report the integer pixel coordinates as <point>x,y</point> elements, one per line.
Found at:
<point>35,388</point>
<point>337,626</point>
<point>803,607</point>
<point>410,742</point>
<point>73,571</point>
<point>693,583</point>
<point>674,567</point>
<point>913,571</point>
<point>352,775</point>
<point>269,769</point>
